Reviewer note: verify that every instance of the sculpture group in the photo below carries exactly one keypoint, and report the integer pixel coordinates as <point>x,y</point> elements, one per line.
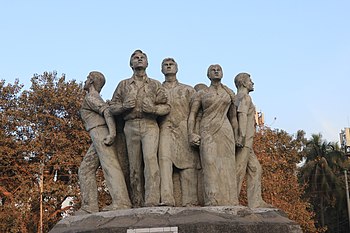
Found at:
<point>204,133</point>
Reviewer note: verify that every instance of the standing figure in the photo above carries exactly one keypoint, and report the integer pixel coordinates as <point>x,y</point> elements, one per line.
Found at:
<point>174,147</point>
<point>100,124</point>
<point>216,139</point>
<point>246,160</point>
<point>141,100</point>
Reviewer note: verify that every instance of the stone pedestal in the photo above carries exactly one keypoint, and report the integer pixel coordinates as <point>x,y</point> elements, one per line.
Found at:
<point>223,219</point>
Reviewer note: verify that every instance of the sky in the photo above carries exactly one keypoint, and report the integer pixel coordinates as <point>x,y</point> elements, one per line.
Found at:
<point>297,51</point>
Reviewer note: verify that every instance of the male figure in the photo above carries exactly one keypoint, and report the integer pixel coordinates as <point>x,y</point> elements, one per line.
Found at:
<point>246,160</point>
<point>100,124</point>
<point>141,100</point>
<point>174,148</point>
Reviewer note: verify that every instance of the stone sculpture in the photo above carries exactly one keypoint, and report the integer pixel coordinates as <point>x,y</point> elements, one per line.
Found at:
<point>246,160</point>
<point>100,124</point>
<point>140,100</point>
<point>174,147</point>
<point>216,139</point>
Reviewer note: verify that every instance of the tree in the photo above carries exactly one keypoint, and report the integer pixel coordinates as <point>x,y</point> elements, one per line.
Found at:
<point>323,175</point>
<point>46,138</point>
<point>279,153</point>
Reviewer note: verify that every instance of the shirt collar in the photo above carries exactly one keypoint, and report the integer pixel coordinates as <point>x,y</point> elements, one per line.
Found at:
<point>145,79</point>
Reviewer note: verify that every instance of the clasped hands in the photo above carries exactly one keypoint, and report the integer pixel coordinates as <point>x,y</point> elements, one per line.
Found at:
<point>195,139</point>
<point>147,105</point>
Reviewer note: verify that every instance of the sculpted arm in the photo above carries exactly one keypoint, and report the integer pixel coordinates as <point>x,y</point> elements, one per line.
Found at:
<point>194,138</point>
<point>96,103</point>
<point>242,116</point>
<point>160,107</point>
<point>112,127</point>
<point>119,103</point>
<point>234,121</point>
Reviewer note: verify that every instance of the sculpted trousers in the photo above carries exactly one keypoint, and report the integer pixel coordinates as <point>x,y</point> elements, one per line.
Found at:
<point>97,154</point>
<point>188,179</point>
<point>248,164</point>
<point>142,136</point>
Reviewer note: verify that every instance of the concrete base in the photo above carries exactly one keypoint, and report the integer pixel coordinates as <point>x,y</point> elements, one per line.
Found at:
<point>223,219</point>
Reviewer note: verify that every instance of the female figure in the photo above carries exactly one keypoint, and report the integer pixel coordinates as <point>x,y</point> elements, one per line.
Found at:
<point>216,139</point>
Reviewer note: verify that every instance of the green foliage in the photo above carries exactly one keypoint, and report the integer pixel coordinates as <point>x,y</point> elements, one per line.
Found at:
<point>322,174</point>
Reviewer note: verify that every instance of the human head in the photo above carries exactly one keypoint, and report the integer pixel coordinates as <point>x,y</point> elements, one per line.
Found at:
<point>169,66</point>
<point>244,80</point>
<point>200,86</point>
<point>138,52</point>
<point>95,78</point>
<point>215,71</point>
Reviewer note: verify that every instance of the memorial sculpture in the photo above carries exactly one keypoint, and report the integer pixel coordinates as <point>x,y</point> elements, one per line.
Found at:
<point>139,100</point>
<point>99,122</point>
<point>216,139</point>
<point>202,135</point>
<point>246,161</point>
<point>174,147</point>
<point>167,126</point>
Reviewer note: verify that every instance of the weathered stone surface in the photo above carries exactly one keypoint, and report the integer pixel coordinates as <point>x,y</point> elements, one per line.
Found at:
<point>223,219</point>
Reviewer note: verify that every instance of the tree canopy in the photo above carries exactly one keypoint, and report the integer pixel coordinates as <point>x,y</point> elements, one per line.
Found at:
<point>42,134</point>
<point>42,142</point>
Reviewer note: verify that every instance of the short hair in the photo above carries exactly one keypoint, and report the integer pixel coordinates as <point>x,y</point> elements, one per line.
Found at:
<point>210,67</point>
<point>133,54</point>
<point>200,86</point>
<point>98,78</point>
<point>240,79</point>
<point>170,59</point>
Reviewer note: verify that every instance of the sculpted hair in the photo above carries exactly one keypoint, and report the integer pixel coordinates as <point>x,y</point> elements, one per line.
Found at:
<point>99,79</point>
<point>133,54</point>
<point>240,79</point>
<point>200,86</point>
<point>210,67</point>
<point>170,59</point>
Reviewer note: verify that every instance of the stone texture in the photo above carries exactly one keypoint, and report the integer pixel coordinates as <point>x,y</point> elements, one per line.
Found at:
<point>221,219</point>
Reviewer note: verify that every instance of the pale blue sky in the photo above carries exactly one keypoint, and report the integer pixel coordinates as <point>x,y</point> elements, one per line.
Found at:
<point>297,51</point>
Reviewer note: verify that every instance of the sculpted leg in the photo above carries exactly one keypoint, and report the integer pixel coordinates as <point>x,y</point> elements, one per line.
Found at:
<point>242,157</point>
<point>111,169</point>
<point>254,172</point>
<point>150,141</point>
<point>87,180</point>
<point>166,179</point>
<point>133,143</point>
<point>189,187</point>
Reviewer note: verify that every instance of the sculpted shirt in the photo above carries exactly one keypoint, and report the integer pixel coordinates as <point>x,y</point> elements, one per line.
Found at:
<point>174,142</point>
<point>92,110</point>
<point>244,104</point>
<point>149,90</point>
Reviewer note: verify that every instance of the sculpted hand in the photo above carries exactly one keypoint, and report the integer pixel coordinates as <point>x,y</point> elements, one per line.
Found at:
<point>108,140</point>
<point>162,98</point>
<point>195,139</point>
<point>240,141</point>
<point>147,106</point>
<point>129,103</point>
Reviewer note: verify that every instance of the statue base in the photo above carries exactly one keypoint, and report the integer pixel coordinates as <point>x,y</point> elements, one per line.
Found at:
<point>216,219</point>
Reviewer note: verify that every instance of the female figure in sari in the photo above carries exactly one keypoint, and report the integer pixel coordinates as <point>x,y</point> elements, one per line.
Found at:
<point>216,139</point>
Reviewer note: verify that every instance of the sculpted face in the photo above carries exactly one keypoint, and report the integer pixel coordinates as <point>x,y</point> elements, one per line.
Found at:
<point>249,84</point>
<point>139,60</point>
<point>215,72</point>
<point>169,67</point>
<point>88,82</point>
